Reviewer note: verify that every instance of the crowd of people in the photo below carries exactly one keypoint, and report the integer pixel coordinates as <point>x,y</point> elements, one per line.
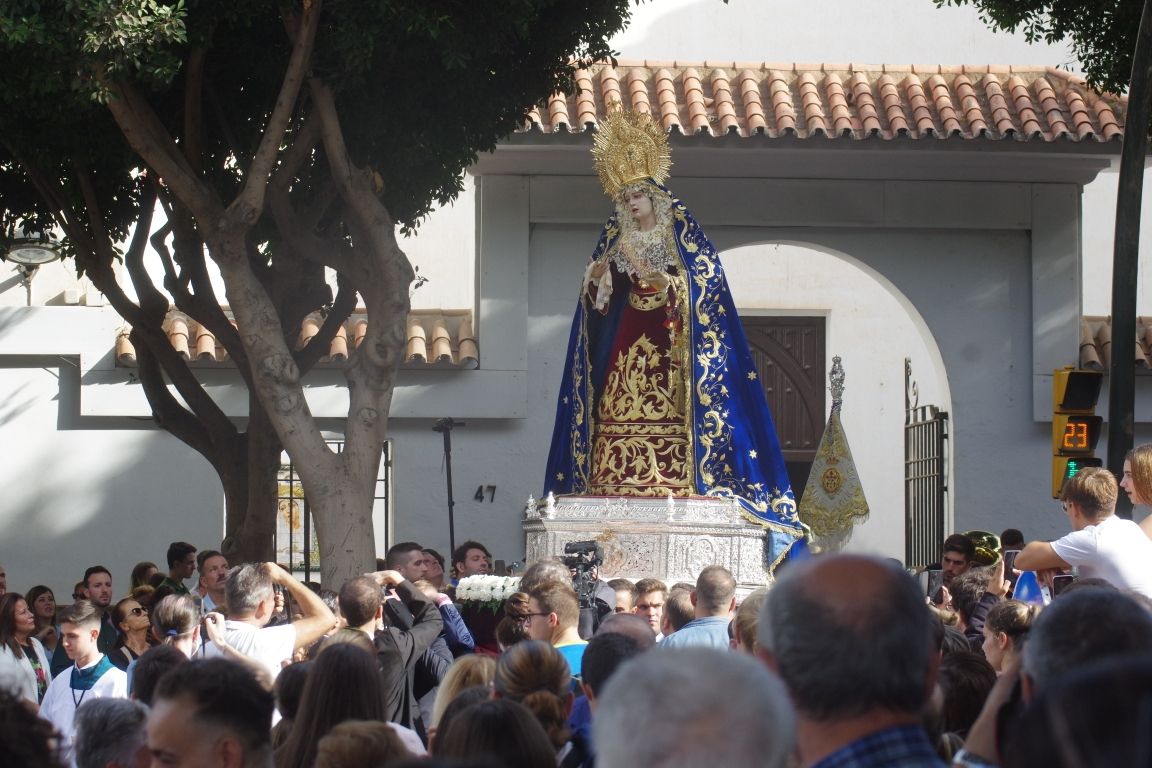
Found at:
<point>845,660</point>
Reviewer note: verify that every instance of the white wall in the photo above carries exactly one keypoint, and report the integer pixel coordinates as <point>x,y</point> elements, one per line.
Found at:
<point>892,31</point>
<point>1099,230</point>
<point>78,491</point>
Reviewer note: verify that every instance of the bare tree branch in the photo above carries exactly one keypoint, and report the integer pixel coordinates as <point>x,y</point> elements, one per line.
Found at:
<point>341,310</point>
<point>250,202</point>
<point>149,138</point>
<point>168,412</point>
<point>153,303</point>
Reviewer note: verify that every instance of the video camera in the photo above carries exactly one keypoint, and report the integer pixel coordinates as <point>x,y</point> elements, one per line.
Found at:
<point>582,558</point>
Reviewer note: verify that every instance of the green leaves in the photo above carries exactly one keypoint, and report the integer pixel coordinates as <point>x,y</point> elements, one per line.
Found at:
<point>1102,33</point>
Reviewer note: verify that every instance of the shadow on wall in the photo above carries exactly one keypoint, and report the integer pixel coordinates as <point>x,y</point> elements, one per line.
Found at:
<point>84,491</point>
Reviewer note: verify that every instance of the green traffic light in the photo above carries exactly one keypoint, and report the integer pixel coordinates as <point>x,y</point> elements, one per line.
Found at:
<point>1075,465</point>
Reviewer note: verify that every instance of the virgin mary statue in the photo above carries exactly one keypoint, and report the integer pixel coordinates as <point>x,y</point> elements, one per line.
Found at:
<point>660,395</point>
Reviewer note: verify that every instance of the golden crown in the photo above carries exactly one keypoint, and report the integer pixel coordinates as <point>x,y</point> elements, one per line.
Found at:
<point>629,147</point>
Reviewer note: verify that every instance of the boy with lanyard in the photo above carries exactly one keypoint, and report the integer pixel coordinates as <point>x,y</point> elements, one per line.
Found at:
<point>91,675</point>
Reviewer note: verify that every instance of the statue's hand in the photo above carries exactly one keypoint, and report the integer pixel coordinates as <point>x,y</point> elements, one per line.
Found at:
<point>598,269</point>
<point>656,280</point>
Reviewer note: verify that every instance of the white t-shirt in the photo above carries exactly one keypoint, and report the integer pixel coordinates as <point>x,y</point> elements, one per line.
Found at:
<point>270,646</point>
<point>60,701</point>
<point>1115,549</point>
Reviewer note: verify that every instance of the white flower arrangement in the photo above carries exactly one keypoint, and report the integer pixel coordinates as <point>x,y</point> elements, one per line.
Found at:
<point>487,591</point>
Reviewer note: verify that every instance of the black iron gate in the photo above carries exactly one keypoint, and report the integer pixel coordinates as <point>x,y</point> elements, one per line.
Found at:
<point>925,475</point>
<point>295,544</point>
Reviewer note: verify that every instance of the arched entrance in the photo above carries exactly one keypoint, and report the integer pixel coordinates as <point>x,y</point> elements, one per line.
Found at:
<point>802,304</point>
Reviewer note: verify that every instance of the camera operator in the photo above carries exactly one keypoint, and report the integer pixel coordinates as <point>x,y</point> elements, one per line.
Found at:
<point>597,598</point>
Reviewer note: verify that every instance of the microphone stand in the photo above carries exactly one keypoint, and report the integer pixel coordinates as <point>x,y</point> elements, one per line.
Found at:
<point>444,427</point>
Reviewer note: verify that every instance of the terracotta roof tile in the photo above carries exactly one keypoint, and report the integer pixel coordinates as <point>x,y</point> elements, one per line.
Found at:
<point>865,104</point>
<point>725,104</point>
<point>857,101</point>
<point>609,87</point>
<point>780,97</point>
<point>838,105</point>
<point>1096,343</point>
<point>810,103</point>
<point>666,99</point>
<point>638,90</point>
<point>586,101</point>
<point>442,338</point>
<point>753,105</point>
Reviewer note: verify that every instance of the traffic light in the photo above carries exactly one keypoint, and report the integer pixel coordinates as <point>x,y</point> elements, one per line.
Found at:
<point>1075,427</point>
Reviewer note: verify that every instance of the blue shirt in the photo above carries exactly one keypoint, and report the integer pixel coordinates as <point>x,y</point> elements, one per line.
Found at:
<point>905,746</point>
<point>708,632</point>
<point>573,653</point>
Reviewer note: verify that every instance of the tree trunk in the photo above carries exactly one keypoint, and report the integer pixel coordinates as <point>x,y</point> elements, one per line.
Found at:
<point>250,492</point>
<point>342,514</point>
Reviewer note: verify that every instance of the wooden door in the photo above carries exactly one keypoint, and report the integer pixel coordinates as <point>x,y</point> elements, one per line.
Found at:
<point>789,354</point>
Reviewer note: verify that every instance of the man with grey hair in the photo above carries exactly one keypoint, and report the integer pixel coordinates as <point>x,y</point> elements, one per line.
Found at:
<point>713,602</point>
<point>853,641</point>
<point>688,707</point>
<point>251,599</point>
<point>111,733</point>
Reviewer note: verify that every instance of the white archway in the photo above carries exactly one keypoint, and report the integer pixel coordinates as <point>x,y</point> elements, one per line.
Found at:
<point>873,327</point>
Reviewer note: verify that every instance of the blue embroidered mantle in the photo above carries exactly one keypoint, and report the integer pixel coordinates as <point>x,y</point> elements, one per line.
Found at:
<point>733,448</point>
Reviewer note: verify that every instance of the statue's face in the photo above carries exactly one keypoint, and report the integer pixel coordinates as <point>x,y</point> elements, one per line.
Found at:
<point>640,206</point>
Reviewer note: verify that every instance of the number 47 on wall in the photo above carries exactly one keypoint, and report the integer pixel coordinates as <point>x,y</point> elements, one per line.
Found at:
<point>481,490</point>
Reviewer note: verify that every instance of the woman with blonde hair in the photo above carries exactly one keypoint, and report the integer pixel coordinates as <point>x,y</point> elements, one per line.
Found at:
<point>745,625</point>
<point>1137,480</point>
<point>534,674</point>
<point>466,672</point>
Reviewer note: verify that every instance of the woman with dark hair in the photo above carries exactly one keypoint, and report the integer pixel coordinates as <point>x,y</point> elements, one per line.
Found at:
<point>288,689</point>
<point>24,668</point>
<point>534,674</point>
<point>435,569</point>
<point>131,619</point>
<point>1005,632</point>
<point>43,604</point>
<point>501,730</point>
<point>343,684</point>
<point>142,574</point>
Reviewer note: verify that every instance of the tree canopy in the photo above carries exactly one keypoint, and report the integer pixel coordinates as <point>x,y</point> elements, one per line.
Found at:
<point>279,141</point>
<point>1102,32</point>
